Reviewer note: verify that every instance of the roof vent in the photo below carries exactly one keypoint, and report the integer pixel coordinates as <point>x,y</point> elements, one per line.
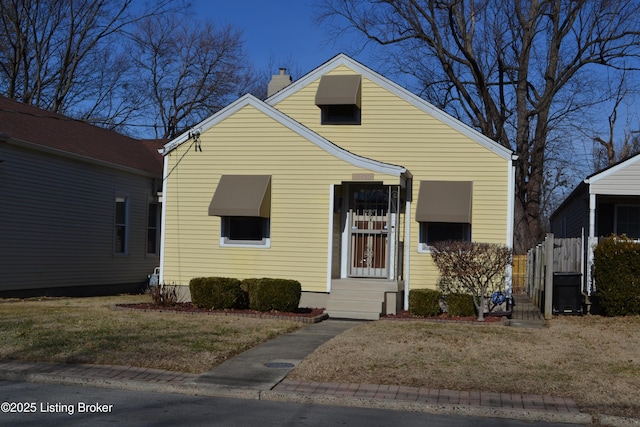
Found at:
<point>278,82</point>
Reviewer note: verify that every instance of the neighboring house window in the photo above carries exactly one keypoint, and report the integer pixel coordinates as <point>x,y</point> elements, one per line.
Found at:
<point>243,203</point>
<point>628,220</point>
<point>153,222</point>
<point>120,241</point>
<point>444,212</point>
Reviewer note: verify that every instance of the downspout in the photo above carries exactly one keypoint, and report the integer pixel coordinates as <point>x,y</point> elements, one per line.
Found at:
<point>163,221</point>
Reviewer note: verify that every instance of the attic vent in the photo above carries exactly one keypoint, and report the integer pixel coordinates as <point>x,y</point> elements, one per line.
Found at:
<point>339,99</point>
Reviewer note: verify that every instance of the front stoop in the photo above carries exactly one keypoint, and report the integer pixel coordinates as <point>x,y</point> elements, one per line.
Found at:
<point>362,299</point>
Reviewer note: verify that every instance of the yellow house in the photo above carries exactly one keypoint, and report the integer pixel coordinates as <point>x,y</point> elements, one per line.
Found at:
<point>340,180</point>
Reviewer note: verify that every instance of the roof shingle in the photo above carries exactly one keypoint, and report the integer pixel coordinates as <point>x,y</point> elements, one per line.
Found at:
<point>30,124</point>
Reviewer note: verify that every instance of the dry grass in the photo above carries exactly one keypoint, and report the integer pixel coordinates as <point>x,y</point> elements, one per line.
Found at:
<point>594,360</point>
<point>87,330</point>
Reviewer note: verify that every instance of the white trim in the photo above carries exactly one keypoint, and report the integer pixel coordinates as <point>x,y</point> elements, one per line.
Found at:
<point>323,143</point>
<point>511,177</point>
<point>330,236</point>
<point>591,241</point>
<point>163,220</point>
<point>226,243</point>
<point>511,200</point>
<point>612,170</point>
<point>343,60</point>
<point>344,241</point>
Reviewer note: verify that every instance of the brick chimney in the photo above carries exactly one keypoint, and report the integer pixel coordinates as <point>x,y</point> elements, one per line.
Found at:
<point>278,82</point>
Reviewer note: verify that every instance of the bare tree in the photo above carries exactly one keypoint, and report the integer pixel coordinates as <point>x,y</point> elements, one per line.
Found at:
<point>611,148</point>
<point>187,71</point>
<point>509,68</point>
<point>63,56</point>
<point>474,268</point>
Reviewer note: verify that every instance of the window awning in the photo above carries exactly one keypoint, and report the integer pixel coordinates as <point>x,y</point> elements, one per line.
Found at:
<point>242,195</point>
<point>444,201</point>
<point>339,90</point>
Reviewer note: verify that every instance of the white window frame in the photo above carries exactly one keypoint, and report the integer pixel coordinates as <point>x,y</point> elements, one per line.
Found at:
<point>423,247</point>
<point>121,199</point>
<point>225,241</point>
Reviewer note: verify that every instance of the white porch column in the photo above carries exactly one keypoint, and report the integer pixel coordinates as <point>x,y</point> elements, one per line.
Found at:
<point>407,246</point>
<point>591,241</point>
<point>330,236</point>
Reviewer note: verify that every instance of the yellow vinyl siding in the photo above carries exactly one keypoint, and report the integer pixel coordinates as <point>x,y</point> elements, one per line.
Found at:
<point>249,142</point>
<point>395,131</point>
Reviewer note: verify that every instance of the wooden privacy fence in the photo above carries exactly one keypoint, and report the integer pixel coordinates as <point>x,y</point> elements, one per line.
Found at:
<point>551,256</point>
<point>519,273</point>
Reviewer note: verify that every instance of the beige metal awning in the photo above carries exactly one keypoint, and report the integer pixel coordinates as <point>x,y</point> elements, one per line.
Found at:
<point>444,201</point>
<point>242,195</point>
<point>339,90</point>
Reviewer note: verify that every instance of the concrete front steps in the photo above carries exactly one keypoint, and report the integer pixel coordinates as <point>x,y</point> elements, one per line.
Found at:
<point>363,299</point>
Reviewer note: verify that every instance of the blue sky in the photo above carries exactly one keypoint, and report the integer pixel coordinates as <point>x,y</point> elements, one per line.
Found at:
<point>275,31</point>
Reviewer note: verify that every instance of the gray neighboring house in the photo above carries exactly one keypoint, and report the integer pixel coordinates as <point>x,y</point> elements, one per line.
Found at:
<point>79,206</point>
<point>605,203</point>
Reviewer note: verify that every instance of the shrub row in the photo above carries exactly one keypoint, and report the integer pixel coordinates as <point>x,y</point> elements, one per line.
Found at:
<point>264,294</point>
<point>426,302</point>
<point>617,276</point>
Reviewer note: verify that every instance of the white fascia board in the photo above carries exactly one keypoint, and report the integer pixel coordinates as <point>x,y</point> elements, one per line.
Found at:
<point>308,134</point>
<point>611,170</point>
<point>342,59</point>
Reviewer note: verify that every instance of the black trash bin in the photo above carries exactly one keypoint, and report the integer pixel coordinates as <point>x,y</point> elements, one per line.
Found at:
<point>567,297</point>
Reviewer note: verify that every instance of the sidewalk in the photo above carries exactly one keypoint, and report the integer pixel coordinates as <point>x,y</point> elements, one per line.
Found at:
<point>260,373</point>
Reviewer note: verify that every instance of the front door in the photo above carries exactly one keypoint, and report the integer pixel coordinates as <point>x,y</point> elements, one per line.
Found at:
<point>369,222</point>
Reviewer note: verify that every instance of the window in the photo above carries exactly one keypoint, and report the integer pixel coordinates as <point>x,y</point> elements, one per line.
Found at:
<point>628,220</point>
<point>153,222</point>
<point>245,230</point>
<point>339,99</point>
<point>340,115</point>
<point>120,238</point>
<point>243,203</point>
<point>431,232</point>
<point>444,211</point>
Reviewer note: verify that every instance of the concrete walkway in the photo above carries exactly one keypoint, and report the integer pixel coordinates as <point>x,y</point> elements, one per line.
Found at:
<point>260,373</point>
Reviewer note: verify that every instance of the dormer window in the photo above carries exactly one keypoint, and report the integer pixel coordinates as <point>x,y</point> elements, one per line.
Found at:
<point>339,99</point>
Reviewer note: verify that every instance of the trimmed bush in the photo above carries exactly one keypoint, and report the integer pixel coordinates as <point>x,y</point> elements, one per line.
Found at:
<point>273,294</point>
<point>460,305</point>
<point>218,293</point>
<point>424,302</point>
<point>617,276</point>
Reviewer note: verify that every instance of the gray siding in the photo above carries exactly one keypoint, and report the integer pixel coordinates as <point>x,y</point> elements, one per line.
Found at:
<point>57,222</point>
<point>570,220</point>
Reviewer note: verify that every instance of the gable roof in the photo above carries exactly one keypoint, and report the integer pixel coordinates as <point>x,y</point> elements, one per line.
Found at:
<point>584,186</point>
<point>612,169</point>
<point>308,134</point>
<point>344,60</point>
<point>27,124</point>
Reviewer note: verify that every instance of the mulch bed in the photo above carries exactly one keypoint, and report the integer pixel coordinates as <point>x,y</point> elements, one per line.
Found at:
<point>304,315</point>
<point>444,318</point>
